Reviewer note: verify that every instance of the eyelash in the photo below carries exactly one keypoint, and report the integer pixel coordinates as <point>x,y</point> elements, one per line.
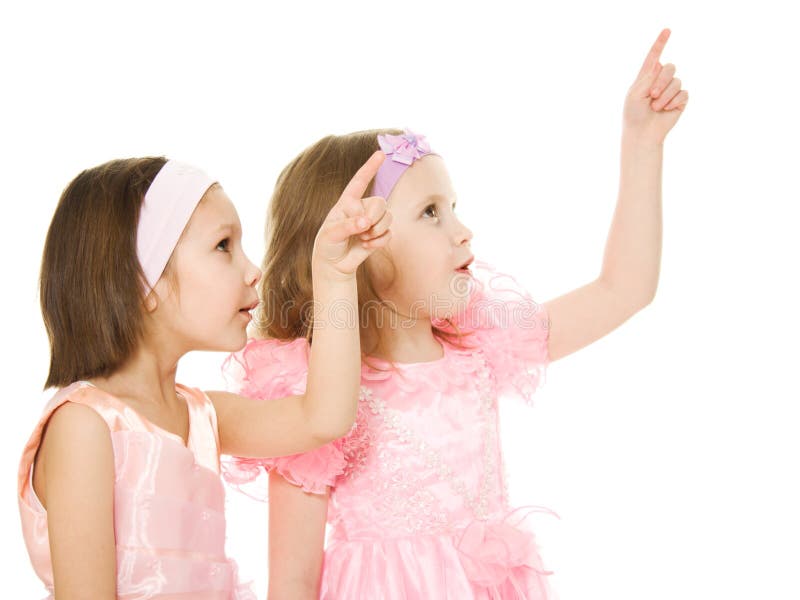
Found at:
<point>425,212</point>
<point>224,243</point>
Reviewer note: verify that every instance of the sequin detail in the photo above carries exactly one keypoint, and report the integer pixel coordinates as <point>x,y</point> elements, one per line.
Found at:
<point>395,488</point>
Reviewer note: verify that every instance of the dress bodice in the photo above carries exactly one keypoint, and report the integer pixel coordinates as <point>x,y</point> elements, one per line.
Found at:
<point>169,521</point>
<point>417,488</point>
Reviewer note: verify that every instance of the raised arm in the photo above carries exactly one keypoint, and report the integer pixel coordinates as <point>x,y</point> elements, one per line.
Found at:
<point>253,428</point>
<point>74,479</point>
<point>630,271</point>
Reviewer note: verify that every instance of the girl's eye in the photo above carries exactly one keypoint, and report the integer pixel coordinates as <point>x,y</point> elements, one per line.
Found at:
<point>223,244</point>
<point>431,208</point>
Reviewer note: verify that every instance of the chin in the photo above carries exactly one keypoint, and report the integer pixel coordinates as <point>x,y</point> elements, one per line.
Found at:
<point>451,309</point>
<point>240,342</point>
<point>230,342</point>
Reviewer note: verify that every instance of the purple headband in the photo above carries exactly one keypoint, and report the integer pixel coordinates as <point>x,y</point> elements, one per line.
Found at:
<point>401,152</point>
<point>168,205</point>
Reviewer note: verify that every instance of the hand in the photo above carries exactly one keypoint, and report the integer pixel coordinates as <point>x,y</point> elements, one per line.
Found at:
<point>355,227</point>
<point>655,101</point>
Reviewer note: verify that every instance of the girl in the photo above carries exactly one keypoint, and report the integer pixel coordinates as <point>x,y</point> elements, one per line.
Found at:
<point>418,507</point>
<point>119,487</point>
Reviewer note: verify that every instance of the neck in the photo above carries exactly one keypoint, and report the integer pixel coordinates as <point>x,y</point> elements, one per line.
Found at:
<point>409,341</point>
<point>147,377</point>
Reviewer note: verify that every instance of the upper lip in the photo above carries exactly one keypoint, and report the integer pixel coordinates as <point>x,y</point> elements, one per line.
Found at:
<point>252,305</point>
<point>467,263</point>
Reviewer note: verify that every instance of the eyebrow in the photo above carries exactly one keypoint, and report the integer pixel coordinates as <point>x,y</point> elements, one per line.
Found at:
<point>431,199</point>
<point>230,227</point>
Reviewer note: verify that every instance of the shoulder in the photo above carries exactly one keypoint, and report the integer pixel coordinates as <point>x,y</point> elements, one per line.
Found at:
<point>77,418</point>
<point>73,421</point>
<point>261,351</point>
<point>200,403</point>
<point>268,368</point>
<point>195,397</point>
<point>75,412</point>
<point>499,308</point>
<point>75,450</point>
<point>510,329</point>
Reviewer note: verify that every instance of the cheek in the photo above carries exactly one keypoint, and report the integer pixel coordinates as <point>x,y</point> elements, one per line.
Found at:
<point>380,268</point>
<point>205,292</point>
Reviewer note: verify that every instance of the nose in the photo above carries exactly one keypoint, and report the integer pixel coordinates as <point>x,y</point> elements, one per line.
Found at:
<point>253,274</point>
<point>463,234</point>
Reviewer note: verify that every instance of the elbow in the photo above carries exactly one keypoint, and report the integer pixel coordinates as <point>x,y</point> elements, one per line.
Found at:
<point>326,437</point>
<point>634,297</point>
<point>345,428</point>
<point>333,428</point>
<point>330,416</point>
<point>647,298</point>
<point>639,302</point>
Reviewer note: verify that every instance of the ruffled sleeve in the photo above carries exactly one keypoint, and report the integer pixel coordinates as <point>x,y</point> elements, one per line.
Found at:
<point>267,369</point>
<point>509,328</point>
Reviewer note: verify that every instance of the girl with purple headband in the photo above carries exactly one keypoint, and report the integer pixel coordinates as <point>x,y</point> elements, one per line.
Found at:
<point>119,485</point>
<point>415,495</point>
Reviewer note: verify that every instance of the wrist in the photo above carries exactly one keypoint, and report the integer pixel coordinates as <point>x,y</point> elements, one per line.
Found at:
<point>640,140</point>
<point>326,274</point>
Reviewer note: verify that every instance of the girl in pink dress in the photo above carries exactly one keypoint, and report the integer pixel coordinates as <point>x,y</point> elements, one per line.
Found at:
<point>417,499</point>
<point>119,485</point>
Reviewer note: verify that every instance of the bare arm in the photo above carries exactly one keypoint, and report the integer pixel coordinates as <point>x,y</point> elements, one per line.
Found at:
<point>255,428</point>
<point>632,258</point>
<point>76,475</point>
<point>629,276</point>
<point>328,408</point>
<point>631,265</point>
<point>296,540</point>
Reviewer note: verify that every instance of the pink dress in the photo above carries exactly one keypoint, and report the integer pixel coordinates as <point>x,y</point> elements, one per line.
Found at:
<point>169,501</point>
<point>418,506</point>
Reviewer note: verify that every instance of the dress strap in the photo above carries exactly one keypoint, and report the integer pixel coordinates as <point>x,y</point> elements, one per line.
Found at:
<point>203,429</point>
<point>81,392</point>
<point>203,434</point>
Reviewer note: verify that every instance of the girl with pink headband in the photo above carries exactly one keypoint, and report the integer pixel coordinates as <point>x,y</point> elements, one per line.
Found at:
<point>418,505</point>
<point>119,492</point>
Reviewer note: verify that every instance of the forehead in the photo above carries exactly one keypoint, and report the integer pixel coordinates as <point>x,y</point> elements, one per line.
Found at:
<point>428,176</point>
<point>214,210</point>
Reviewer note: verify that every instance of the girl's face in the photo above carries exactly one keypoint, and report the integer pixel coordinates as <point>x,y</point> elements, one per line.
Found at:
<point>209,307</point>
<point>428,245</point>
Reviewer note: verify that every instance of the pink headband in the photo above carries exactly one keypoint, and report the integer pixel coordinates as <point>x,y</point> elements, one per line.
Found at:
<point>168,205</point>
<point>401,151</point>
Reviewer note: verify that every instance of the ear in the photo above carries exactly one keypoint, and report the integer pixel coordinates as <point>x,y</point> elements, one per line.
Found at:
<point>151,301</point>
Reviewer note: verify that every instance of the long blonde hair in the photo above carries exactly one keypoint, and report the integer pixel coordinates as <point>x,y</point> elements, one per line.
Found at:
<point>305,192</point>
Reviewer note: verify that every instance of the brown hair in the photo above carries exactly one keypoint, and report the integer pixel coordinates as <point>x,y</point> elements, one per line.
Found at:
<point>90,286</point>
<point>305,192</point>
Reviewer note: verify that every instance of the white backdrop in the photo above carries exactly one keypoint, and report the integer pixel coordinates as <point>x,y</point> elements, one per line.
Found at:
<point>670,447</point>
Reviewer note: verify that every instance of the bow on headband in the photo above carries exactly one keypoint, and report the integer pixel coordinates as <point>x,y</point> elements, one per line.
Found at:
<point>404,148</point>
<point>401,152</point>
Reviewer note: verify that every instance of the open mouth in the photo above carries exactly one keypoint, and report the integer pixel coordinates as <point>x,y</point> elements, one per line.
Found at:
<point>246,310</point>
<point>465,266</point>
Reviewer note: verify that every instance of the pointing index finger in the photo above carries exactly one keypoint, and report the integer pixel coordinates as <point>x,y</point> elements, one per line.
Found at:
<point>355,189</point>
<point>651,60</point>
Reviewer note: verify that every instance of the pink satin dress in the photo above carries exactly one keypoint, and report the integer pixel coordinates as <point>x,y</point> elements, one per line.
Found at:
<point>169,501</point>
<point>419,506</point>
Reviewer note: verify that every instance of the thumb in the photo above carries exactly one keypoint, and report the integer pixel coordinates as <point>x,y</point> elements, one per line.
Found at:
<point>641,87</point>
<point>339,231</point>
